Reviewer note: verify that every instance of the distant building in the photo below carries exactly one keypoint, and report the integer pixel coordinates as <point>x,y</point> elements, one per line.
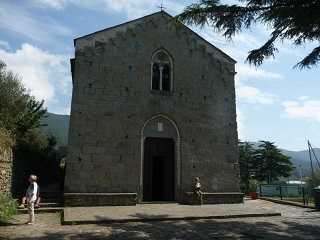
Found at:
<point>296,182</point>
<point>153,107</point>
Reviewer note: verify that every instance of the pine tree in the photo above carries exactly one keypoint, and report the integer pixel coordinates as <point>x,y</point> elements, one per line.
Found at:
<point>270,163</point>
<point>294,20</point>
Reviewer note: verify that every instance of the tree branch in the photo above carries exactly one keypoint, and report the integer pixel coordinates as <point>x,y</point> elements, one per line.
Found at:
<point>310,60</point>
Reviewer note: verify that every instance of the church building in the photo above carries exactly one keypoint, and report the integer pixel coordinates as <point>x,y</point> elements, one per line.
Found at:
<point>153,107</point>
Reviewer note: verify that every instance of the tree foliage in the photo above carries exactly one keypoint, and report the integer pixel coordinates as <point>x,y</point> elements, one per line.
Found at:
<point>294,20</point>
<point>246,159</point>
<point>264,163</point>
<point>270,163</point>
<point>35,153</point>
<point>20,119</point>
<point>19,111</point>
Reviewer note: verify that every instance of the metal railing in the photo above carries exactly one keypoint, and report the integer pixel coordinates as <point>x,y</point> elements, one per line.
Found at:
<point>293,193</point>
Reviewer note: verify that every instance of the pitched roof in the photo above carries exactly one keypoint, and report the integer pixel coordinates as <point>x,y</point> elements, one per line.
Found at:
<point>117,26</point>
<point>151,15</point>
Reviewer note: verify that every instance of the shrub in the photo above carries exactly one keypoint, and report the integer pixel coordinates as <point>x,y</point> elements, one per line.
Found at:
<point>253,185</point>
<point>8,207</point>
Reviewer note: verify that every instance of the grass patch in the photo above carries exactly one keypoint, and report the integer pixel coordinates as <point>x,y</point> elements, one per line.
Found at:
<point>8,207</point>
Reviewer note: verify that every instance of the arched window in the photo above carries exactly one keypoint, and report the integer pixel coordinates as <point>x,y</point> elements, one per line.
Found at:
<point>161,71</point>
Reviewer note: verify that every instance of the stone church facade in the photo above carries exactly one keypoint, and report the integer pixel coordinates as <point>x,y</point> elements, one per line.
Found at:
<point>153,107</point>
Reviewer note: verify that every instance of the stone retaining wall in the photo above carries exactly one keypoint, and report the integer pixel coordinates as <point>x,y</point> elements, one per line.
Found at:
<point>99,199</point>
<point>213,198</point>
<point>5,169</point>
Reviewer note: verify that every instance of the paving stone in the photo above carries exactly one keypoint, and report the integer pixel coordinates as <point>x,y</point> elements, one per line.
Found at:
<point>295,223</point>
<point>162,212</point>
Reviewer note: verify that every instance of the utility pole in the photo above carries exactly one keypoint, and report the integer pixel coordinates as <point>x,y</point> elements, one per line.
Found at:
<point>311,163</point>
<point>301,186</point>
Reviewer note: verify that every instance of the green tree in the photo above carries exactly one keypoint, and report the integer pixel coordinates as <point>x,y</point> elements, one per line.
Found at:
<point>19,111</point>
<point>270,163</point>
<point>36,153</point>
<point>246,163</point>
<point>20,119</point>
<point>295,20</point>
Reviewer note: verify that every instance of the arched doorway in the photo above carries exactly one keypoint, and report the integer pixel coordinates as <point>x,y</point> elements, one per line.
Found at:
<point>160,168</point>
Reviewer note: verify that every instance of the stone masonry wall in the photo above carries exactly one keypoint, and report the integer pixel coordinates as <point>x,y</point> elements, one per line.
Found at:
<point>5,169</point>
<point>112,101</point>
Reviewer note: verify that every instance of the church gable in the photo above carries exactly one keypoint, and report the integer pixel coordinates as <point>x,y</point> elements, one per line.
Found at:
<point>126,31</point>
<point>124,61</point>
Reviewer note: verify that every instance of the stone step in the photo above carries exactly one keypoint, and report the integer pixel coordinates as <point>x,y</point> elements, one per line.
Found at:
<point>44,208</point>
<point>41,210</point>
<point>49,205</point>
<point>51,194</point>
<point>47,200</point>
<point>51,200</point>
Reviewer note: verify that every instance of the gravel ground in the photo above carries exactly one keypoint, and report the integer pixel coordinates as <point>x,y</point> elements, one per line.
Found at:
<point>295,223</point>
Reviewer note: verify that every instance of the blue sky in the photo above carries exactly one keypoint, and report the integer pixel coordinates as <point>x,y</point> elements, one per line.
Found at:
<point>274,102</point>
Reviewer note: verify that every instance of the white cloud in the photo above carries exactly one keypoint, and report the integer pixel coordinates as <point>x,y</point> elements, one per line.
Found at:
<point>241,126</point>
<point>16,19</point>
<point>56,4</point>
<point>43,73</point>
<point>246,71</point>
<point>247,39</point>
<point>132,8</point>
<point>303,98</point>
<point>247,94</point>
<point>65,110</point>
<point>305,109</point>
<point>4,44</point>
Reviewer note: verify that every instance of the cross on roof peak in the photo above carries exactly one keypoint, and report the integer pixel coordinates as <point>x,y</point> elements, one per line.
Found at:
<point>161,7</point>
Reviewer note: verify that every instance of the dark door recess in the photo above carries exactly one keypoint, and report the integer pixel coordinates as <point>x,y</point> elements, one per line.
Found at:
<point>158,169</point>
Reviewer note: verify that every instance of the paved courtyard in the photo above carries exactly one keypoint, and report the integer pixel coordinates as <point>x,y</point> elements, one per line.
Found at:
<point>169,211</point>
<point>295,223</point>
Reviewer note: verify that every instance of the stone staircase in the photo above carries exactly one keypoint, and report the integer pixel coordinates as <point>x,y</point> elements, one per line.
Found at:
<point>51,202</point>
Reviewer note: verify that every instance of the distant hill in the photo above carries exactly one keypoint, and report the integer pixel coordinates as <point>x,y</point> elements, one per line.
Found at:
<point>301,158</point>
<point>57,125</point>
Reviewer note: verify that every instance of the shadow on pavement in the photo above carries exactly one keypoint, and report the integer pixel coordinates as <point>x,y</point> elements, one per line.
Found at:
<point>200,229</point>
